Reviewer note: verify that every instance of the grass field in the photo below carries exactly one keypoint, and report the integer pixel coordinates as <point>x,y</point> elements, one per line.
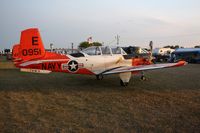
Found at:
<point>5,64</point>
<point>169,101</point>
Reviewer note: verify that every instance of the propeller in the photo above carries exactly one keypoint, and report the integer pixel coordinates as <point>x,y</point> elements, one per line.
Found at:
<point>151,51</point>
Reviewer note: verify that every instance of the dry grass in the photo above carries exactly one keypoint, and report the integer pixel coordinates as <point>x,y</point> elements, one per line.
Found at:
<point>4,64</point>
<point>169,101</point>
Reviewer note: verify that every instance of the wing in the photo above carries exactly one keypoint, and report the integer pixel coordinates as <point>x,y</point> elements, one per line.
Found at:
<point>143,67</point>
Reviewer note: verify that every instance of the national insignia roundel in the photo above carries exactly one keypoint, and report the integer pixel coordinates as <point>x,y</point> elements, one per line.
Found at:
<point>73,66</point>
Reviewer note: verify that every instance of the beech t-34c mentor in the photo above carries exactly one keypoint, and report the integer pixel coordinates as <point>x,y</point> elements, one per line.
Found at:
<point>30,56</point>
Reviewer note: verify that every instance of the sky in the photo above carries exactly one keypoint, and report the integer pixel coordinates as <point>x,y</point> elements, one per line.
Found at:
<point>62,22</point>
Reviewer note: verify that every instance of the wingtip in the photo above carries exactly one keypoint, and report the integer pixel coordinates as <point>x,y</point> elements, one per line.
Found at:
<point>182,63</point>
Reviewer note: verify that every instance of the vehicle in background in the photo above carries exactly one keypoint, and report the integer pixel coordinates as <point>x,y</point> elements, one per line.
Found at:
<point>137,52</point>
<point>162,54</point>
<point>191,55</point>
<point>9,56</point>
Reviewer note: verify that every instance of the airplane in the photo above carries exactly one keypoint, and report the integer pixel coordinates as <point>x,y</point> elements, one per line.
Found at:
<point>30,56</point>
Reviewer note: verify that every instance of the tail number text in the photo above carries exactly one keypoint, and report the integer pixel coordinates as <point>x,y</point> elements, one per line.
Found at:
<point>31,52</point>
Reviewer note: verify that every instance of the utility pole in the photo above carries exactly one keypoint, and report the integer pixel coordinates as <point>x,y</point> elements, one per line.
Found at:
<point>51,47</point>
<point>72,47</point>
<point>117,38</point>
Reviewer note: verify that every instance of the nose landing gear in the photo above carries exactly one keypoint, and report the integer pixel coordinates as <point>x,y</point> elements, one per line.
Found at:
<point>143,77</point>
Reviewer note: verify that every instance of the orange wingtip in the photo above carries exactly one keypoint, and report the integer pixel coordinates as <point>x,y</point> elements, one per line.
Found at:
<point>181,63</point>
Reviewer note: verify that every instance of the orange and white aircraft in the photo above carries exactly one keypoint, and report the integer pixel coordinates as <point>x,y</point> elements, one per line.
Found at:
<point>30,56</point>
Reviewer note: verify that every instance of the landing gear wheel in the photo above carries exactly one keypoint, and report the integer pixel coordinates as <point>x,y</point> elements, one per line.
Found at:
<point>99,77</point>
<point>143,78</point>
<point>124,84</point>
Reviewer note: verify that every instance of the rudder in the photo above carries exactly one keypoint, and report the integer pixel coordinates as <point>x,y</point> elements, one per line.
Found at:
<point>15,52</point>
<point>31,46</point>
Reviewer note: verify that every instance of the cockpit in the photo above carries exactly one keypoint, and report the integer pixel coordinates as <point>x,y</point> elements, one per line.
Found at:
<point>99,50</point>
<point>103,50</point>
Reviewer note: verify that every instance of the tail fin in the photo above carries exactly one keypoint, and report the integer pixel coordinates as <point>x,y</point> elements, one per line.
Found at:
<point>15,52</point>
<point>31,46</point>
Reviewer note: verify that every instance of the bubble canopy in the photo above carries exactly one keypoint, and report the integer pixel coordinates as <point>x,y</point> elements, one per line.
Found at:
<point>103,50</point>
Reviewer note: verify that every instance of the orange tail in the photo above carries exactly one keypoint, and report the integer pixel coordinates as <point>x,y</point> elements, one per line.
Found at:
<point>31,46</point>
<point>16,52</point>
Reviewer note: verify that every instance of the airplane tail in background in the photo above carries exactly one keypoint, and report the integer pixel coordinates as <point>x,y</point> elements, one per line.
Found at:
<point>15,52</point>
<point>30,47</point>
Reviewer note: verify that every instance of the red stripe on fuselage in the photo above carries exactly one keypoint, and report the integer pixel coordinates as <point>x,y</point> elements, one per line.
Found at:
<point>51,62</point>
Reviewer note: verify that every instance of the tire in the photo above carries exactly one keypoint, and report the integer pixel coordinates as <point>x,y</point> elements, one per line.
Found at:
<point>99,77</point>
<point>124,84</point>
<point>143,78</point>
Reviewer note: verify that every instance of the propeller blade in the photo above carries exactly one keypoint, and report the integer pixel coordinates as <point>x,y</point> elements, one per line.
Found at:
<point>151,45</point>
<point>151,51</point>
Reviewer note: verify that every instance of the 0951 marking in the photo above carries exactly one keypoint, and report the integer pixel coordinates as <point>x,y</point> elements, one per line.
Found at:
<point>31,52</point>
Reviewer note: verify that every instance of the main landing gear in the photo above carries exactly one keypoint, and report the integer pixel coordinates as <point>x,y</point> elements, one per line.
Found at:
<point>124,84</point>
<point>99,77</point>
<point>124,78</point>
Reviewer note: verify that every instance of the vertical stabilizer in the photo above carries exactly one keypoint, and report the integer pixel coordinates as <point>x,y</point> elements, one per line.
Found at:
<point>31,46</point>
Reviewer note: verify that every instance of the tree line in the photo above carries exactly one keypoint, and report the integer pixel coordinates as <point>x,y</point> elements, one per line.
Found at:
<point>86,44</point>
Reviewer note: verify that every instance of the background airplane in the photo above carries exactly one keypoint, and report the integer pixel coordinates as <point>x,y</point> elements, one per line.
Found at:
<point>30,56</point>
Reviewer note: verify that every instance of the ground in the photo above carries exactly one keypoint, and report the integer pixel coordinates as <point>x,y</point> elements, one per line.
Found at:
<point>169,101</point>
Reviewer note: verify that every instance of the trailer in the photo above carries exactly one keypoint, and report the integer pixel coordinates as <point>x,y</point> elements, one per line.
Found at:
<point>191,55</point>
